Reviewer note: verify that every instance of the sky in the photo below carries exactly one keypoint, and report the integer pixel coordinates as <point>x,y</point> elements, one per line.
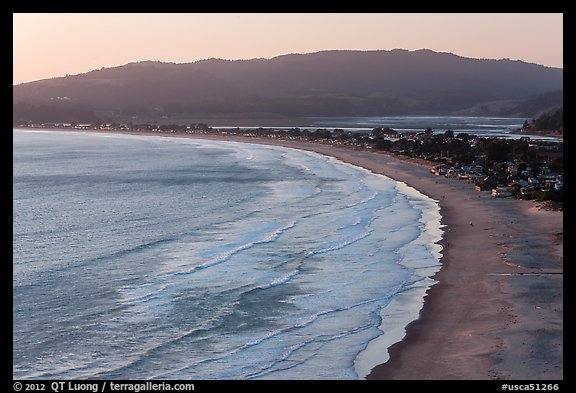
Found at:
<point>50,45</point>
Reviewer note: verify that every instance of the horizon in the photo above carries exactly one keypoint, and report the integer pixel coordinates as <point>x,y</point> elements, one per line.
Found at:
<point>47,46</point>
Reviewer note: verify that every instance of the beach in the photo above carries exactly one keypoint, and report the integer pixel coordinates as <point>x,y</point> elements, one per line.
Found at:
<point>496,311</point>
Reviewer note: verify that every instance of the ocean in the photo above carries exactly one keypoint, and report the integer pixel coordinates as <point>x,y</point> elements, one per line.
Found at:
<point>144,257</point>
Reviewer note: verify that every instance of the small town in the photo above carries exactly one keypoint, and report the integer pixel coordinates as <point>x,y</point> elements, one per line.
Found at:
<point>522,168</point>
<point>287,196</point>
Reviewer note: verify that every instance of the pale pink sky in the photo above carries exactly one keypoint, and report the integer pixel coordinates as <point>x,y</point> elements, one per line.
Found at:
<point>51,45</point>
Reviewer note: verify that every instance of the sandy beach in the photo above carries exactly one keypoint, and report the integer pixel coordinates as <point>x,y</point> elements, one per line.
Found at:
<point>496,311</point>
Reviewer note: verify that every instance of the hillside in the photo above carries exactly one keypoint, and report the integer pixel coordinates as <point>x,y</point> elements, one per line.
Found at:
<point>548,122</point>
<point>530,107</point>
<point>329,83</point>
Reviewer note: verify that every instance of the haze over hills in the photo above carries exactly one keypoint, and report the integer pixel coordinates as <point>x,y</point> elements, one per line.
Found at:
<point>328,83</point>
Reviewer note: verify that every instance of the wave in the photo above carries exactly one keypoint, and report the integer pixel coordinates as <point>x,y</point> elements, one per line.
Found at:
<point>280,280</point>
<point>255,342</point>
<point>341,245</point>
<point>362,201</point>
<point>130,250</point>
<point>164,322</point>
<point>308,320</point>
<point>148,300</point>
<point>268,238</point>
<point>266,368</point>
<point>144,297</point>
<point>357,221</point>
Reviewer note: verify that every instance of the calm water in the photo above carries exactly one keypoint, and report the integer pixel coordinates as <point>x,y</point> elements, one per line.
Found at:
<point>500,127</point>
<point>471,124</point>
<point>151,257</point>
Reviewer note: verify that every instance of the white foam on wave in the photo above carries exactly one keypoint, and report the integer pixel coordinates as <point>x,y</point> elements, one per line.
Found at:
<point>423,255</point>
<point>404,308</point>
<point>363,201</point>
<point>141,293</point>
<point>268,238</point>
<point>430,218</point>
<point>342,244</point>
<point>280,280</point>
<point>333,306</point>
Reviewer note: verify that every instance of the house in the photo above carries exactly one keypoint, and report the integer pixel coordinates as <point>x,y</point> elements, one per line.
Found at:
<point>439,170</point>
<point>511,169</point>
<point>520,183</point>
<point>475,176</point>
<point>451,173</point>
<point>501,192</point>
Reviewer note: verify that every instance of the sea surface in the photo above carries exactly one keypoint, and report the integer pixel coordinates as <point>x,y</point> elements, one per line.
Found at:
<point>139,257</point>
<point>482,126</point>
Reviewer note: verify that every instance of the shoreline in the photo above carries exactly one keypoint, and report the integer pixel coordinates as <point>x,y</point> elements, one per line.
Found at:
<point>496,311</point>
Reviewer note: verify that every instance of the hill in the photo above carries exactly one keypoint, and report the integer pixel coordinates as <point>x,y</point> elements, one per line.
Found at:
<point>530,107</point>
<point>328,83</point>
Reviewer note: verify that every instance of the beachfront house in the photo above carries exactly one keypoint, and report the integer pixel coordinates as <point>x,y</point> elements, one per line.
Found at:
<point>501,192</point>
<point>511,169</point>
<point>451,173</point>
<point>439,170</point>
<point>520,183</point>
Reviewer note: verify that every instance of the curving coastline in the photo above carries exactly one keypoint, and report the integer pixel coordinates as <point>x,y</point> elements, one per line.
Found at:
<point>496,311</point>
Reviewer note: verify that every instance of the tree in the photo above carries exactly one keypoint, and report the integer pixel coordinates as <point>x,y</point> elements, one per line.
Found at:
<point>376,132</point>
<point>522,166</point>
<point>202,127</point>
<point>495,149</point>
<point>383,144</point>
<point>526,125</point>
<point>551,120</point>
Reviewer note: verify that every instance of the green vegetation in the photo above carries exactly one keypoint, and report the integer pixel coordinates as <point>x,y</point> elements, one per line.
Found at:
<point>550,121</point>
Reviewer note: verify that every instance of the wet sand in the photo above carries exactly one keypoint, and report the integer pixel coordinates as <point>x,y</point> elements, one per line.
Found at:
<point>496,311</point>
